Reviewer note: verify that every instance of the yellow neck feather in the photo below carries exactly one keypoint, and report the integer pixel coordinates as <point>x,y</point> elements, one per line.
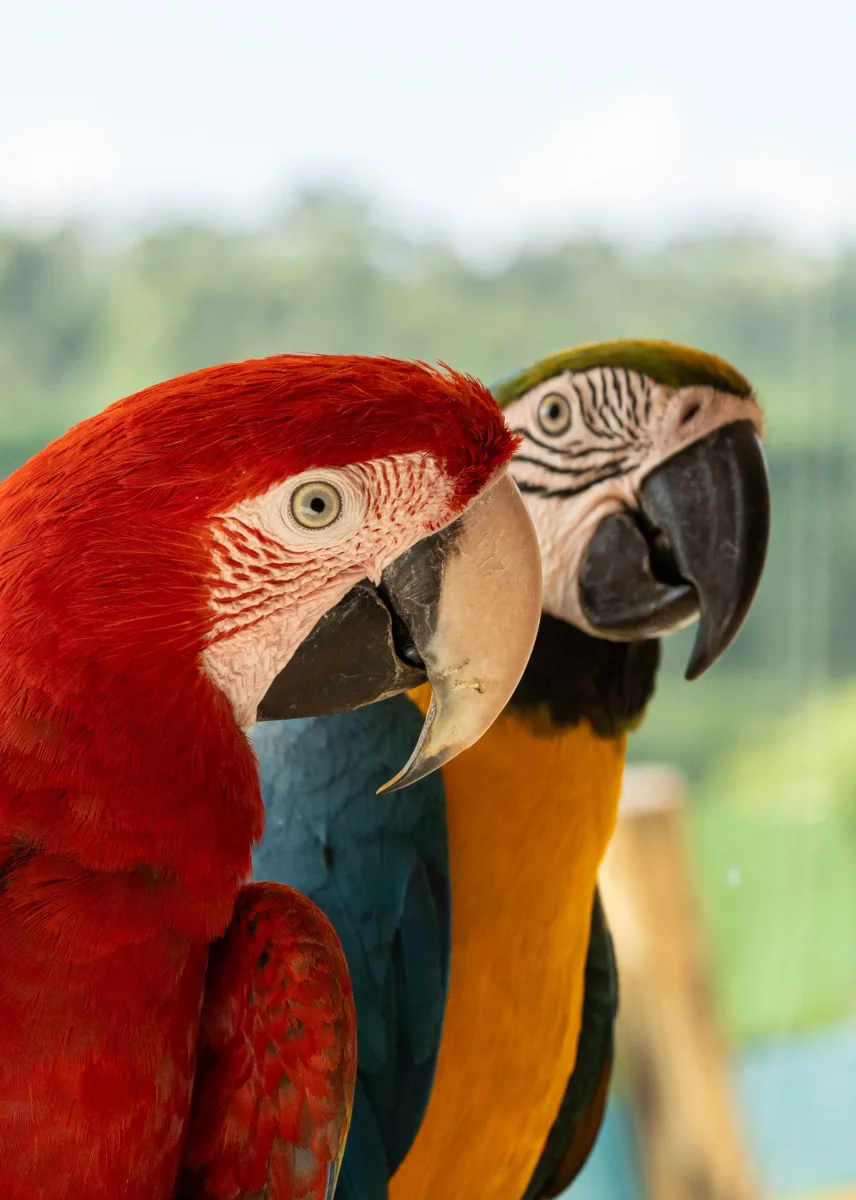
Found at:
<point>530,813</point>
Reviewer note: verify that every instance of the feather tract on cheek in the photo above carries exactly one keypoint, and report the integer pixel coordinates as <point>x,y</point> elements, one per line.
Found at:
<point>191,559</point>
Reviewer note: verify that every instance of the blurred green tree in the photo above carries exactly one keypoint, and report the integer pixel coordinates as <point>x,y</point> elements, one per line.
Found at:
<point>81,325</point>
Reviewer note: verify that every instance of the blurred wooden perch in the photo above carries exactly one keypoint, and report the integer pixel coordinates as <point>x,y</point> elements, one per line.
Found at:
<point>677,1072</point>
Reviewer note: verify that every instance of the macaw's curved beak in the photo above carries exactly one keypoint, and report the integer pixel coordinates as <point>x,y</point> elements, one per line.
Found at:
<point>460,609</point>
<point>694,549</point>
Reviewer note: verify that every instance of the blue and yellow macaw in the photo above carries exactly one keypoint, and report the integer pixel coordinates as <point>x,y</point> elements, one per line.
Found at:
<point>483,971</point>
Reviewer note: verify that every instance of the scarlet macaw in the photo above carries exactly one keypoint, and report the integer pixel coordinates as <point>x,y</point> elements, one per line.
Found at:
<point>643,472</point>
<point>166,1030</point>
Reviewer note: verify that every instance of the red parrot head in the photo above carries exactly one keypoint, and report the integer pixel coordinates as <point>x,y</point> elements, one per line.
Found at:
<point>281,537</point>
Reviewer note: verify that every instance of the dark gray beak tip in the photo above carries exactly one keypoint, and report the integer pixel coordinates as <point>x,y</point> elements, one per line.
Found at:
<point>701,659</point>
<point>713,502</point>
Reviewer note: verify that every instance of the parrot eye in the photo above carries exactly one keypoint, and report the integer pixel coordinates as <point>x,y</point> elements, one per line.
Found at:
<point>316,505</point>
<point>554,414</point>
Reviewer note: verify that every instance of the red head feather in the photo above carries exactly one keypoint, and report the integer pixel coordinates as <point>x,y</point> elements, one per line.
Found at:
<point>105,540</point>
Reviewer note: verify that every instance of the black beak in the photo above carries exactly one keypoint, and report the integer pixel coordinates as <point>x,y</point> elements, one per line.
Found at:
<point>460,609</point>
<point>695,548</point>
<point>360,651</point>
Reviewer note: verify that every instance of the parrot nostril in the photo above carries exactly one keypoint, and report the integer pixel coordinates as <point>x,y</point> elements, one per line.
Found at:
<point>689,413</point>
<point>402,640</point>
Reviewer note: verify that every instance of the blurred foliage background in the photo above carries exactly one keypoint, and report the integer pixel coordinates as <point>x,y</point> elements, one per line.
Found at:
<point>768,738</point>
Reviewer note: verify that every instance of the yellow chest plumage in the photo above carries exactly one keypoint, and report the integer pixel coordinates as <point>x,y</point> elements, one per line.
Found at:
<point>529,816</point>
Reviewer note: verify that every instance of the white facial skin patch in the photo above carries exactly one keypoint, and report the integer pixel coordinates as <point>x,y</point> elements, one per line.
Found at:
<point>285,558</point>
<point>590,440</point>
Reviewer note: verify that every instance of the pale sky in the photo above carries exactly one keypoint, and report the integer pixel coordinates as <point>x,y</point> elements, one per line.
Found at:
<point>487,121</point>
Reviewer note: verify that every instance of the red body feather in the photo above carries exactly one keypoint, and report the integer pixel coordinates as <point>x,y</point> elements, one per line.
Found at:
<point>129,798</point>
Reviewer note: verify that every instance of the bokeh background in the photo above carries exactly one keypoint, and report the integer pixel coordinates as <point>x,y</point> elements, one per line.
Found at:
<point>184,182</point>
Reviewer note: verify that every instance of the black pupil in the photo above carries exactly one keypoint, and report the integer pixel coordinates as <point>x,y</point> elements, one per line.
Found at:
<point>318,504</point>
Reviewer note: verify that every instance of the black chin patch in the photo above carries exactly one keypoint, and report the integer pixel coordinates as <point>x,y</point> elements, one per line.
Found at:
<point>575,676</point>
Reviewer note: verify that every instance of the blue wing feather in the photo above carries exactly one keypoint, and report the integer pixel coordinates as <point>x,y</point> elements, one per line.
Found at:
<point>378,867</point>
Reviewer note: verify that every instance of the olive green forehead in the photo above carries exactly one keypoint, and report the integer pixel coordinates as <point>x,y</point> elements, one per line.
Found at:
<point>664,362</point>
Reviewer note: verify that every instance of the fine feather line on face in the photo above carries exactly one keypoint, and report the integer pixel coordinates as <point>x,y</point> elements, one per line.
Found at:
<point>569,451</point>
<point>541,489</point>
<point>590,472</point>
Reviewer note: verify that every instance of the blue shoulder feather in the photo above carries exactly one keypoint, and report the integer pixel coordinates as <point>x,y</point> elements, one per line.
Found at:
<point>378,867</point>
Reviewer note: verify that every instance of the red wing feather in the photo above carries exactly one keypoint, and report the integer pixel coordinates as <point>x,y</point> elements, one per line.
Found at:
<point>277,1056</point>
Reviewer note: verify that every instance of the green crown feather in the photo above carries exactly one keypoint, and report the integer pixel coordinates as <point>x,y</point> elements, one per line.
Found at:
<point>665,363</point>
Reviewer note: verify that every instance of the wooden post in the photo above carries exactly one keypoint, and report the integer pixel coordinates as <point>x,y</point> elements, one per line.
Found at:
<point>673,1055</point>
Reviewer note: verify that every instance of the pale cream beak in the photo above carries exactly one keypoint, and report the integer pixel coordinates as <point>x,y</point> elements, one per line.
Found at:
<point>475,633</point>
